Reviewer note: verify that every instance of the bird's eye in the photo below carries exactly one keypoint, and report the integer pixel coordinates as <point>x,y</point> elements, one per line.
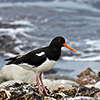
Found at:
<point>59,40</point>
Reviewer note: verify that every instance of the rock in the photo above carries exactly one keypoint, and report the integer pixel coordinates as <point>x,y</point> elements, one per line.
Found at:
<point>8,46</point>
<point>66,82</point>
<point>47,82</point>
<point>15,72</point>
<point>58,77</point>
<point>88,71</point>
<point>88,79</point>
<point>55,84</point>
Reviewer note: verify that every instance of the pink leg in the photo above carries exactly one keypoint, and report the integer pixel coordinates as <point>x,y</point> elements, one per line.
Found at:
<point>43,88</point>
<point>38,85</point>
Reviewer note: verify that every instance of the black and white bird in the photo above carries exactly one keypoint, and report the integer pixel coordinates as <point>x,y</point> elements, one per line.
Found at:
<point>42,59</point>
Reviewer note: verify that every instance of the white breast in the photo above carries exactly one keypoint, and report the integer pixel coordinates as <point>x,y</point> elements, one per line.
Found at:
<point>47,65</point>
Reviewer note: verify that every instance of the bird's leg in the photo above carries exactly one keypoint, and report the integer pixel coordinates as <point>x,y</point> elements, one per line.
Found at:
<point>39,85</point>
<point>43,88</point>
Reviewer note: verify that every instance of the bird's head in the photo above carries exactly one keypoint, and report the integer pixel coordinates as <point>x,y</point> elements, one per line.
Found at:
<point>60,42</point>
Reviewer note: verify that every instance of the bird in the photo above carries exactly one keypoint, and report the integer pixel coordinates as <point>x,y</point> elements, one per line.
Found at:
<point>41,60</point>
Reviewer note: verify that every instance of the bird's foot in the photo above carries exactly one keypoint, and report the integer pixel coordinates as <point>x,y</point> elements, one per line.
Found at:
<point>45,91</point>
<point>41,92</point>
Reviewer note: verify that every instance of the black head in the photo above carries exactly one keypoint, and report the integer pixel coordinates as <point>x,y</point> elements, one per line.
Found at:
<point>57,42</point>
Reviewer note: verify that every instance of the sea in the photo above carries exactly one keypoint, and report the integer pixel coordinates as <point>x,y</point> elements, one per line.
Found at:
<point>26,25</point>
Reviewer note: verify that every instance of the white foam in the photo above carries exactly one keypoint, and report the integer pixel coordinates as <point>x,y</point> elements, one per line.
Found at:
<point>96,58</point>
<point>16,31</point>
<point>0,18</point>
<point>93,44</point>
<point>17,49</point>
<point>9,54</point>
<point>21,22</point>
<point>18,41</point>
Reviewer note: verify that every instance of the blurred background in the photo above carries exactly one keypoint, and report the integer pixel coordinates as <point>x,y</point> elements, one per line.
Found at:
<point>29,24</point>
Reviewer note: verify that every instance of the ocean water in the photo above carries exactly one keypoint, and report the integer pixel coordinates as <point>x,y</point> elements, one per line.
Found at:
<point>29,24</point>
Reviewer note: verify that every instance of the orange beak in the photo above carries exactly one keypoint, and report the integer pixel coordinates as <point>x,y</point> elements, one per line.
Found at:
<point>66,45</point>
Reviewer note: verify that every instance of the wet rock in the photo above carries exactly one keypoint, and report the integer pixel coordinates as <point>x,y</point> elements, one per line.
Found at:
<point>88,79</point>
<point>8,46</point>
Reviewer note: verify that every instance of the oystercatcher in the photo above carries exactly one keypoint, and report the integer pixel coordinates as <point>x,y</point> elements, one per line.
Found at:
<point>42,59</point>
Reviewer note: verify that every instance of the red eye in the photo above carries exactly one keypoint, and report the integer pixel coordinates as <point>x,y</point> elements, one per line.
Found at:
<point>59,40</point>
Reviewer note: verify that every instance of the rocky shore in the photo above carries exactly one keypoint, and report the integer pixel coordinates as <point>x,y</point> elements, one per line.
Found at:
<point>17,83</point>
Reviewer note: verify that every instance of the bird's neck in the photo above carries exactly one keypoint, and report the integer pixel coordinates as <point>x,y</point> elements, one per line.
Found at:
<point>54,53</point>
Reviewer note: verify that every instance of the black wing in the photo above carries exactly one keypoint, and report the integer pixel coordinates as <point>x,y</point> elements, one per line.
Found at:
<point>30,58</point>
